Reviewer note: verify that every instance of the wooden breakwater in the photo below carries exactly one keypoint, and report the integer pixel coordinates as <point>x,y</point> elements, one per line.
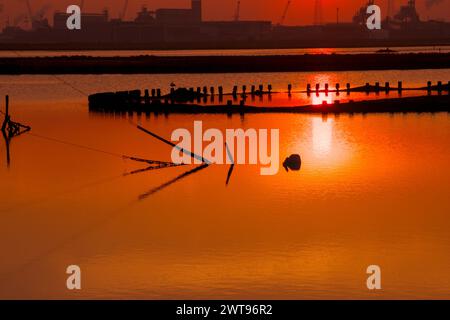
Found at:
<point>395,105</point>
<point>190,100</point>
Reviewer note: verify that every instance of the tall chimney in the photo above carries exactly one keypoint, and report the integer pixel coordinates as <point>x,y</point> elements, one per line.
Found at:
<point>197,10</point>
<point>318,19</point>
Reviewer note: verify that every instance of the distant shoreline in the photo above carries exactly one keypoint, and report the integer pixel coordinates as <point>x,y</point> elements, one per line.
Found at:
<point>224,45</point>
<point>221,64</point>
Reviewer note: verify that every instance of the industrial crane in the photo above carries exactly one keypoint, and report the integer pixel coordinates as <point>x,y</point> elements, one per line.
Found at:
<point>1,10</point>
<point>30,12</point>
<point>238,11</point>
<point>390,6</point>
<point>408,13</point>
<point>361,15</point>
<point>285,12</point>
<point>124,10</point>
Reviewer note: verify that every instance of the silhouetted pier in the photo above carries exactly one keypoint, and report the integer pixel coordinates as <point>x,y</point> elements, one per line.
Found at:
<point>203,99</point>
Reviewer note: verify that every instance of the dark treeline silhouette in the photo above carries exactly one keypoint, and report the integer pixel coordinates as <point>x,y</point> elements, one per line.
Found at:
<point>221,64</point>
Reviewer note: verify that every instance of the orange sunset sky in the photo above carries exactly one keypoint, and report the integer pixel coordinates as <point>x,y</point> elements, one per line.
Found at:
<point>301,11</point>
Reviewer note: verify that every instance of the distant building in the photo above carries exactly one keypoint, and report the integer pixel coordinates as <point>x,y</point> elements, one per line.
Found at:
<point>94,28</point>
<point>145,17</point>
<point>181,16</point>
<point>236,30</point>
<point>185,28</point>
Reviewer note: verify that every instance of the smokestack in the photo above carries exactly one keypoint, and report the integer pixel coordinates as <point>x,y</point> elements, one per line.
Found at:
<point>197,10</point>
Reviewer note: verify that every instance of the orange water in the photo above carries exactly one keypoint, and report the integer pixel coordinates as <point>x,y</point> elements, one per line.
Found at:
<point>372,190</point>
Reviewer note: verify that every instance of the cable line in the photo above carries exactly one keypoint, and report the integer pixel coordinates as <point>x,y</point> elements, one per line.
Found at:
<point>113,154</point>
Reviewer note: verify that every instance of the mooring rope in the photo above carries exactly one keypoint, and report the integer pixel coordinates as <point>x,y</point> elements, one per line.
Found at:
<point>73,87</point>
<point>58,78</point>
<point>70,85</point>
<point>89,148</point>
<point>76,145</point>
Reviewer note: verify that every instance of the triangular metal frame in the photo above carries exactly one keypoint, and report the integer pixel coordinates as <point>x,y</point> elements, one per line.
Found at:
<point>11,129</point>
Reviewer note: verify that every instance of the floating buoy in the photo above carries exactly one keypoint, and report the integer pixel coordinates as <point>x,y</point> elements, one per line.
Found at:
<point>293,163</point>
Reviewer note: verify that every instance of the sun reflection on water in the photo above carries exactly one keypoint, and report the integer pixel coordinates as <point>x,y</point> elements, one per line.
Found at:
<point>322,136</point>
<point>319,98</point>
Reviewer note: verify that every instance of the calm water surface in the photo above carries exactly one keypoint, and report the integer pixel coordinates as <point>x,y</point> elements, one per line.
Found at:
<point>221,52</point>
<point>372,190</point>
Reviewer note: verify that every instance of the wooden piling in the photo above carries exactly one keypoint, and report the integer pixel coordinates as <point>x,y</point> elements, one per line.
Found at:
<point>253,89</point>
<point>153,93</point>
<point>400,86</point>
<point>220,91</point>
<point>261,88</point>
<point>6,106</point>
<point>308,88</point>
<point>146,97</point>
<point>158,93</point>
<point>6,119</point>
<point>377,86</point>
<point>269,88</point>
<point>348,87</point>
<point>338,87</point>
<point>367,87</point>
<point>212,91</point>
<point>317,87</point>
<point>439,86</point>
<point>326,87</point>
<point>244,89</point>
<point>289,88</point>
<point>429,86</point>
<point>387,86</point>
